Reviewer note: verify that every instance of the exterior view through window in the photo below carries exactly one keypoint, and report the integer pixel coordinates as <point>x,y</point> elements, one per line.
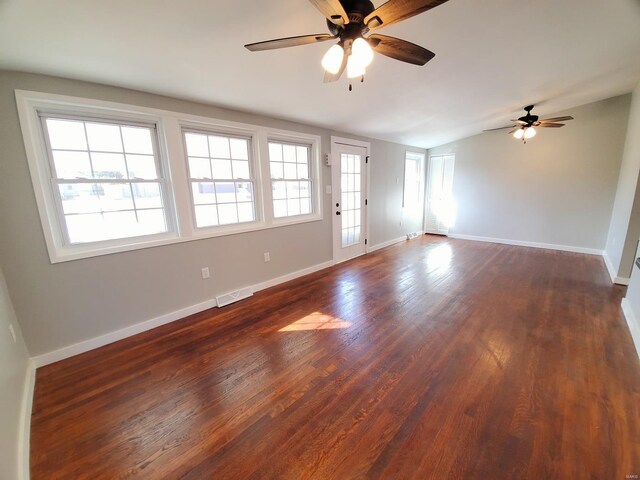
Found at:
<point>107,181</point>
<point>290,179</point>
<point>222,185</point>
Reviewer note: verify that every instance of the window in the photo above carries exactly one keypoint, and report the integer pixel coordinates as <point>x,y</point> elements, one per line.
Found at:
<point>222,186</point>
<point>412,180</point>
<point>106,177</point>
<point>111,177</point>
<point>291,184</point>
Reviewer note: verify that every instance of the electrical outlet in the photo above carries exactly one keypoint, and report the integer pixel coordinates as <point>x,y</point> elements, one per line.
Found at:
<point>13,334</point>
<point>205,272</point>
<point>267,257</point>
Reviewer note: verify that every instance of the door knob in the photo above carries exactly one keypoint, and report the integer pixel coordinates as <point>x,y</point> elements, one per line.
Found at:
<point>337,213</point>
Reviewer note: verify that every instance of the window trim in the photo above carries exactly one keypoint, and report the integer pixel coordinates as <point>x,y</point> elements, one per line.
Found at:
<point>421,157</point>
<point>251,136</point>
<point>54,180</point>
<point>171,151</point>
<point>314,179</point>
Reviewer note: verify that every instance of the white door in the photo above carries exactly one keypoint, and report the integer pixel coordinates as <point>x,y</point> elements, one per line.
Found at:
<point>439,210</point>
<point>348,184</point>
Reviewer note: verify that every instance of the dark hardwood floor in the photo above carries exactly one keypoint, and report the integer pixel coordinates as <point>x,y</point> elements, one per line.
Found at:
<point>434,358</point>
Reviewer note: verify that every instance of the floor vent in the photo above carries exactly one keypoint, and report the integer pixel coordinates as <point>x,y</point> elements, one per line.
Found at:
<point>233,297</point>
<point>412,235</point>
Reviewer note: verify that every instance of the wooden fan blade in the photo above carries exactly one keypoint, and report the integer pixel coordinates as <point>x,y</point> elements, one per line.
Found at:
<point>556,119</point>
<point>332,77</point>
<point>400,49</point>
<point>551,125</point>
<point>333,10</point>
<point>396,10</point>
<point>288,42</point>
<point>519,121</point>
<point>502,128</point>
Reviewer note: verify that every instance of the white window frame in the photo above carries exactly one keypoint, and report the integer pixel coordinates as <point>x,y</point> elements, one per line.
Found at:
<point>421,170</point>
<point>251,135</point>
<point>172,152</point>
<point>313,143</point>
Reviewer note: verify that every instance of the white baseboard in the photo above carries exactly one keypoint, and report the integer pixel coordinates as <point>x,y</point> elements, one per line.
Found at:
<point>96,342</point>
<point>373,248</point>
<point>632,321</point>
<point>291,276</point>
<point>521,243</point>
<point>612,271</point>
<point>24,435</point>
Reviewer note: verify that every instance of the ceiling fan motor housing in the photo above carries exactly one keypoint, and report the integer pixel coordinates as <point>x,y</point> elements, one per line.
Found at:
<point>357,10</point>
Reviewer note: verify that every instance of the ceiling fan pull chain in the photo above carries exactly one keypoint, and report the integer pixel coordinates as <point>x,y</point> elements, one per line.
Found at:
<point>350,87</point>
<point>362,79</point>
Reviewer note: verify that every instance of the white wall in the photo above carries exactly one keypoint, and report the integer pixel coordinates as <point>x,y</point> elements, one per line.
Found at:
<point>70,302</point>
<point>557,189</point>
<point>624,229</point>
<point>13,376</point>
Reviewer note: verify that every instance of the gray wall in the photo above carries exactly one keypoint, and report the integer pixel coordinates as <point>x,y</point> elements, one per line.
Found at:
<point>557,189</point>
<point>13,372</point>
<point>65,303</point>
<point>625,218</point>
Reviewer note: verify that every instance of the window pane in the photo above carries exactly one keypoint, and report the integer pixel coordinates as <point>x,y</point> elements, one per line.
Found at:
<point>275,152</point>
<point>147,195</point>
<point>277,170</point>
<point>203,192</point>
<point>72,164</point>
<point>241,169</point>
<point>227,213</point>
<point>225,193</point>
<point>302,154</point>
<point>289,153</point>
<point>244,192</point>
<point>197,145</point>
<point>103,137</point>
<point>293,206</point>
<point>245,212</point>
<point>142,166</point>
<point>222,169</point>
<point>219,147</point>
<point>279,190</point>
<point>137,140</point>
<point>279,208</point>
<point>305,189</point>
<point>106,226</point>
<point>66,134</point>
<point>303,171</point>
<point>151,221</point>
<point>305,206</point>
<point>290,171</point>
<point>293,190</point>
<point>199,167</point>
<point>206,215</point>
<point>239,149</point>
<point>109,165</point>
<point>95,197</point>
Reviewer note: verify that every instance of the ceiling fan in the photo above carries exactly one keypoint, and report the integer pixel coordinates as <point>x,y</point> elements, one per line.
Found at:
<point>349,21</point>
<point>523,128</point>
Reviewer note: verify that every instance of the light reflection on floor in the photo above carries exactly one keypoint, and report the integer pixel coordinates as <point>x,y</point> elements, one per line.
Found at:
<point>439,257</point>
<point>316,321</point>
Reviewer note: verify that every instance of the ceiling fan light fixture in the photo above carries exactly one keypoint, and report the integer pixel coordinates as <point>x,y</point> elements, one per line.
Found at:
<point>332,60</point>
<point>362,51</point>
<point>355,68</point>
<point>529,133</point>
<point>519,133</point>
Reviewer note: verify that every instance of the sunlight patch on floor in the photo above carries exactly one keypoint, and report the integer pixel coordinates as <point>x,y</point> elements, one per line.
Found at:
<point>316,321</point>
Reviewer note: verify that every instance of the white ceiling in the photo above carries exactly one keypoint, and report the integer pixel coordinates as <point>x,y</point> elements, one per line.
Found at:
<point>492,58</point>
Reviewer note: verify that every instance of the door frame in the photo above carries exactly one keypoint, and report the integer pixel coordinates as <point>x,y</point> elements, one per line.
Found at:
<point>335,141</point>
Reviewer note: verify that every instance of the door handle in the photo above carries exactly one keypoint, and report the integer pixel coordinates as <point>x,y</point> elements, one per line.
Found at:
<point>337,213</point>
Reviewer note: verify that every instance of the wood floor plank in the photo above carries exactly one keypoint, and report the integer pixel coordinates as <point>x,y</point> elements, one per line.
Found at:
<point>434,358</point>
